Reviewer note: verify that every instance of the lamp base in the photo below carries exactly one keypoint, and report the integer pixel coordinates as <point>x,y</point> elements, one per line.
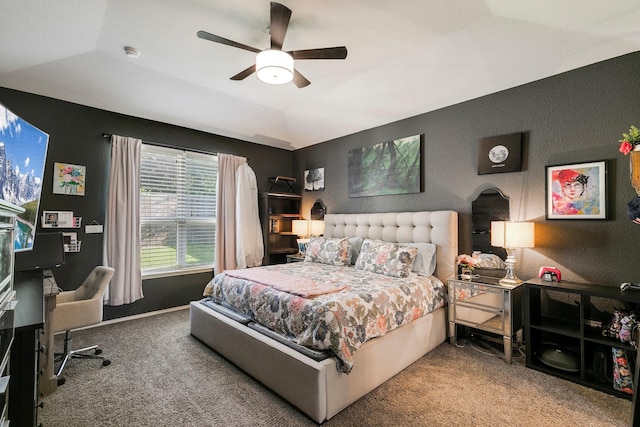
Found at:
<point>510,276</point>
<point>302,247</point>
<point>509,281</point>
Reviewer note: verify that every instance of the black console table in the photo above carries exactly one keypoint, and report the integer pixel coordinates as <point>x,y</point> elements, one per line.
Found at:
<point>29,324</point>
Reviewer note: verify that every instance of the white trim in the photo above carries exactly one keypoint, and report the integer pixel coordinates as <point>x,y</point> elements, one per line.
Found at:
<point>132,317</point>
<point>172,273</point>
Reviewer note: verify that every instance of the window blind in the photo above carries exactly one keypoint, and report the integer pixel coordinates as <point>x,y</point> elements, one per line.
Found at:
<point>177,208</point>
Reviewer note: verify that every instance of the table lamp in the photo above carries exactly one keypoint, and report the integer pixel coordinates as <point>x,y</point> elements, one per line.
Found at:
<point>511,236</point>
<point>316,227</point>
<point>302,228</point>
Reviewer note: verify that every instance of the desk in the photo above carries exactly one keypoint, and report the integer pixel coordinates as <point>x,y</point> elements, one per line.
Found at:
<point>49,381</point>
<point>34,295</point>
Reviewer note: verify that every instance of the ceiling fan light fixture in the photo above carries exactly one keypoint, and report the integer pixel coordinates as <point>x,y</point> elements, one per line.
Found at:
<point>274,67</point>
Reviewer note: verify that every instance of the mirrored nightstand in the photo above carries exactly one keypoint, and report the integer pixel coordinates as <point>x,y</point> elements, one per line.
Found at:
<point>485,304</point>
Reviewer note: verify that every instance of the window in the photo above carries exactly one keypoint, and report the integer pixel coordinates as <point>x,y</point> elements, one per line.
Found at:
<point>177,209</point>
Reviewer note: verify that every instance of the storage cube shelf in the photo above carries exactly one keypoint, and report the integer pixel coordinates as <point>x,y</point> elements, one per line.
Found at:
<point>572,316</point>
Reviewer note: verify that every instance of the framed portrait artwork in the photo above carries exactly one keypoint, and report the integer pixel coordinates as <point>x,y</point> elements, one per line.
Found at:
<point>577,191</point>
<point>499,154</point>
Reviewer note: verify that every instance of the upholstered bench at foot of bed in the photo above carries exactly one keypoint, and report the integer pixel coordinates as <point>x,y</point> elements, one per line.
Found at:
<point>317,388</point>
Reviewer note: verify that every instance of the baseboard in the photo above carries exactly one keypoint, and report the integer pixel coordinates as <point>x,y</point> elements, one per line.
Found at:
<point>133,317</point>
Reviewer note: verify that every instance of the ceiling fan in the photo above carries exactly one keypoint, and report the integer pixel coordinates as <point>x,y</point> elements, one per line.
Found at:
<point>275,65</point>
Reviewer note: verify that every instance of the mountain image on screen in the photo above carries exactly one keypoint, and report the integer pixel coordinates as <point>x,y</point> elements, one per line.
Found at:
<point>23,150</point>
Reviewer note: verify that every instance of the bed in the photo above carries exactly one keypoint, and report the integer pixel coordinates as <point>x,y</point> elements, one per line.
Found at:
<point>318,385</point>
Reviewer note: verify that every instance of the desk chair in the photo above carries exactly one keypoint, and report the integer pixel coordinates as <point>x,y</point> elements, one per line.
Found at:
<point>78,309</point>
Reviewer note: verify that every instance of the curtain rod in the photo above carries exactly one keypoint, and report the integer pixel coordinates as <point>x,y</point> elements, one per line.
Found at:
<point>159,144</point>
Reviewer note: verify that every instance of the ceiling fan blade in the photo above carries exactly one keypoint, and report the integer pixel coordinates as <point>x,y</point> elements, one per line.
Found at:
<point>245,73</point>
<point>212,37</point>
<point>322,53</point>
<point>280,16</point>
<point>300,80</point>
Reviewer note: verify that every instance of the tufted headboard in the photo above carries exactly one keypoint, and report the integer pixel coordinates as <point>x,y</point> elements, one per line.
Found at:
<point>438,227</point>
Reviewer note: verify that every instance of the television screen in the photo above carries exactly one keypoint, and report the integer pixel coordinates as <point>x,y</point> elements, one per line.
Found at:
<point>23,150</point>
<point>47,252</point>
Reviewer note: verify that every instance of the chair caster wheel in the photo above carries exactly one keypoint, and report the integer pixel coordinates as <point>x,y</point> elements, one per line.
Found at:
<point>97,351</point>
<point>106,362</point>
<point>61,381</point>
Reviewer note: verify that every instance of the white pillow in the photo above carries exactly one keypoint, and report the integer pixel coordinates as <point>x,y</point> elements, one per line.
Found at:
<point>356,246</point>
<point>425,262</point>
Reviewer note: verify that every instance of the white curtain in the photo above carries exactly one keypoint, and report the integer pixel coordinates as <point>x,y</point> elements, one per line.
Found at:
<point>249,244</point>
<point>226,212</point>
<point>122,227</point>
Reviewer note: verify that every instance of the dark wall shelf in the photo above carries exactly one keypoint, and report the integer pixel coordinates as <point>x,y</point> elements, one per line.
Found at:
<point>578,329</point>
<point>277,211</point>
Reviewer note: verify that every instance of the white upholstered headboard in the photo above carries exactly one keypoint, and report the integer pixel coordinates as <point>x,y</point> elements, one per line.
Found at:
<point>438,227</point>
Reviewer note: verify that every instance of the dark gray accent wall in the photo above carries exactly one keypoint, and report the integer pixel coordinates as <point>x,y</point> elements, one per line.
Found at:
<point>572,117</point>
<point>75,136</point>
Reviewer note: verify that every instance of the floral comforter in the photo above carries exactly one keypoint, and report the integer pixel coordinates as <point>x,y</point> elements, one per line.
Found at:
<point>371,305</point>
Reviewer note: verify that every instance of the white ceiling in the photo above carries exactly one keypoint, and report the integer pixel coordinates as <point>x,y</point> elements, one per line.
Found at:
<point>405,57</point>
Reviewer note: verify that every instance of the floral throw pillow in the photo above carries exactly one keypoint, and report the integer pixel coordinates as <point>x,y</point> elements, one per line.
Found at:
<point>329,250</point>
<point>386,258</point>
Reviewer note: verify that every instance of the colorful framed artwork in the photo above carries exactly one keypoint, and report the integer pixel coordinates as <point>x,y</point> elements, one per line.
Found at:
<point>393,167</point>
<point>577,191</point>
<point>498,154</point>
<point>69,179</point>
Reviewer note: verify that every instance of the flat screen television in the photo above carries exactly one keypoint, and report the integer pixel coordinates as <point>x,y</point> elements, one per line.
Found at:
<point>46,253</point>
<point>23,151</point>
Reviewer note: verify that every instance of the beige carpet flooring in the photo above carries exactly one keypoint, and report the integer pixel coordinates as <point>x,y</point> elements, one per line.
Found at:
<point>161,376</point>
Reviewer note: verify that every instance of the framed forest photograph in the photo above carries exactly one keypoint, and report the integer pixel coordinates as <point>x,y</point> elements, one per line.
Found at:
<point>392,167</point>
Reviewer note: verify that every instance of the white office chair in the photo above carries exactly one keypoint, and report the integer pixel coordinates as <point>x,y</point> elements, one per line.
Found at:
<point>80,308</point>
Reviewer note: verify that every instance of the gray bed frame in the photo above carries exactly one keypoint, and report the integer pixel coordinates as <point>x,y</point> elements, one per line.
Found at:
<point>318,388</point>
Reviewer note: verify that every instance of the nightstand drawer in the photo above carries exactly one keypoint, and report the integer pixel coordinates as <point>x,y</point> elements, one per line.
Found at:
<point>473,304</point>
<point>473,294</point>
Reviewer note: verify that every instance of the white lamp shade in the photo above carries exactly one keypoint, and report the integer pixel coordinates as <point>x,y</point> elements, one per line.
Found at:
<point>497,233</point>
<point>507,234</point>
<point>317,227</point>
<point>300,227</point>
<point>274,67</point>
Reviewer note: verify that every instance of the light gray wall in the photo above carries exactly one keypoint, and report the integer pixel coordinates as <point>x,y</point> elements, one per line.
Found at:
<point>573,117</point>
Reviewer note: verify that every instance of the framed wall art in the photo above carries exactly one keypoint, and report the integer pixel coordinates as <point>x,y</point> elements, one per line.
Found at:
<point>393,167</point>
<point>577,191</point>
<point>314,179</point>
<point>498,154</point>
<point>69,179</point>
<point>23,150</point>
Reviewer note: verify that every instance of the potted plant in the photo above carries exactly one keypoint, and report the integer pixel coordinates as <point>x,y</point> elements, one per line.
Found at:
<point>630,144</point>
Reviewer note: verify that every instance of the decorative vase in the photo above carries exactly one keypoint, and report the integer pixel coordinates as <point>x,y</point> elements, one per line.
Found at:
<point>466,273</point>
<point>634,168</point>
